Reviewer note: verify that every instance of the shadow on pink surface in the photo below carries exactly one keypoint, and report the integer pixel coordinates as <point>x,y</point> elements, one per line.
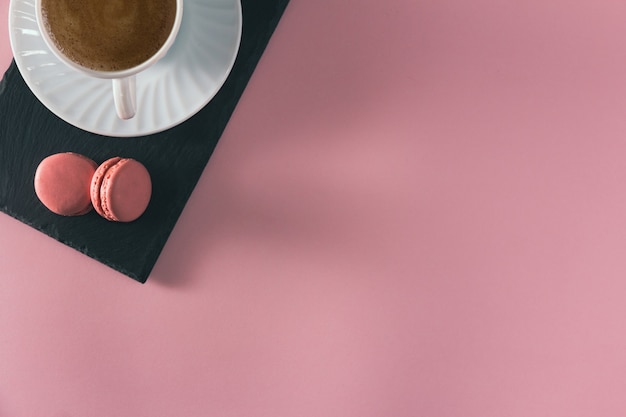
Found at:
<point>252,189</point>
<point>446,242</point>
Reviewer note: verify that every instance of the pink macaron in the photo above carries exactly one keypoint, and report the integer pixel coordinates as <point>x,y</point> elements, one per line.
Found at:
<point>62,183</point>
<point>121,189</point>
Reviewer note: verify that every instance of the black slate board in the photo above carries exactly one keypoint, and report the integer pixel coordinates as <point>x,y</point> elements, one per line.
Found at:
<point>175,158</point>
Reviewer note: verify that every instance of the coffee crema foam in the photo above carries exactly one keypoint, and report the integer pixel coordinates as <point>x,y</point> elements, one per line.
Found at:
<point>109,35</point>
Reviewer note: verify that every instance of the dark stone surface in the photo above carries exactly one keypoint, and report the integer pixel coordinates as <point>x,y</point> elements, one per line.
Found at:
<point>175,158</point>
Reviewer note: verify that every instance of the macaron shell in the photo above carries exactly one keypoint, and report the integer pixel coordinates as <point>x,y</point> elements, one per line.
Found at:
<point>125,191</point>
<point>96,184</point>
<point>62,183</point>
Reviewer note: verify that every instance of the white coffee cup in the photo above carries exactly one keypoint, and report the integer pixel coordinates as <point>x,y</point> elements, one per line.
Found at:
<point>123,81</point>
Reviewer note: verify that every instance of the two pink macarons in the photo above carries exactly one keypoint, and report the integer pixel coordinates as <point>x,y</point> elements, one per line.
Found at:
<point>70,184</point>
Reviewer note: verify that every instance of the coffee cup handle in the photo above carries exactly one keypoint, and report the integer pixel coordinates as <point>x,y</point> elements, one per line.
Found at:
<point>125,97</point>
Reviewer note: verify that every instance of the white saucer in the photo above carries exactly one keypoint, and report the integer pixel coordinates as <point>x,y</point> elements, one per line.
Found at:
<point>170,92</point>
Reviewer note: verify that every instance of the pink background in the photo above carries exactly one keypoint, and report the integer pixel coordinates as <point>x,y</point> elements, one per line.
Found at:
<point>417,209</point>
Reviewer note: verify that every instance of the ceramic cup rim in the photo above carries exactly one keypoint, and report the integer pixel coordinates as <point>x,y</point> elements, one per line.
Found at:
<point>110,74</point>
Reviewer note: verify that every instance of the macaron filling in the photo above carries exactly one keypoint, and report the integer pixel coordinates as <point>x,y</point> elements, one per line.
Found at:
<point>96,184</point>
<point>121,189</point>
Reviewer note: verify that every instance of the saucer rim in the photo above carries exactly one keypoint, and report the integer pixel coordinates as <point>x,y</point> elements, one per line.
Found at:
<point>13,34</point>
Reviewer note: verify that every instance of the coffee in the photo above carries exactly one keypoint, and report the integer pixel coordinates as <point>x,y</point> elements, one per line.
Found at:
<point>109,35</point>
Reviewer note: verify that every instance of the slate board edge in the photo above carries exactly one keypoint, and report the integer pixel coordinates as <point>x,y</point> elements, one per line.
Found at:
<point>239,84</point>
